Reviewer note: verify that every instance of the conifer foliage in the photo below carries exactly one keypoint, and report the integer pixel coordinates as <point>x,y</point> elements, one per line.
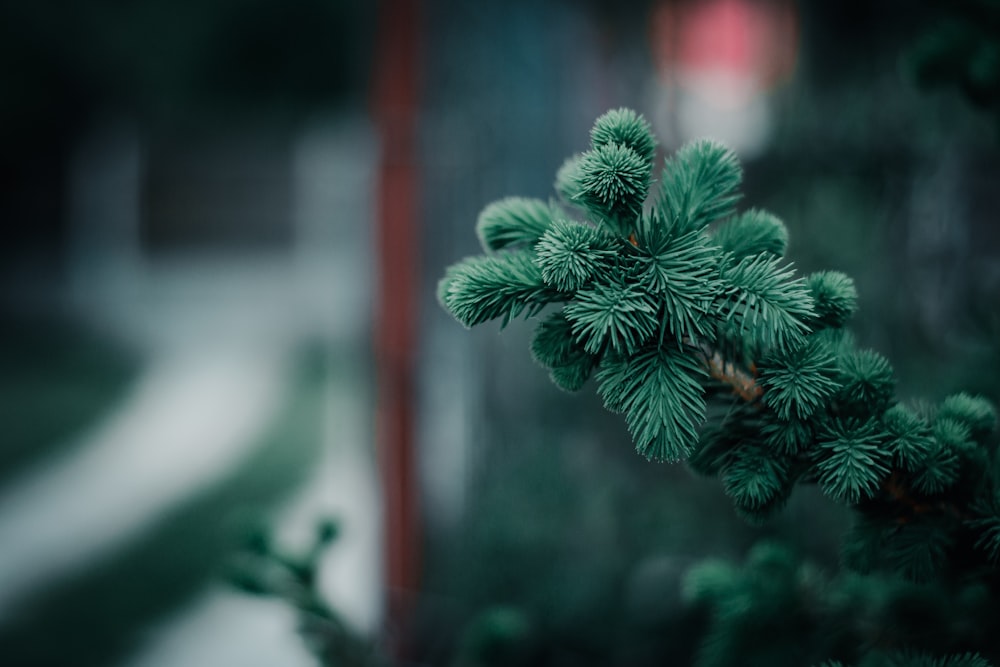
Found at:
<point>677,303</point>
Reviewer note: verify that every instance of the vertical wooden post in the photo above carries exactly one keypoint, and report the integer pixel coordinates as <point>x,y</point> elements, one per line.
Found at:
<point>396,101</point>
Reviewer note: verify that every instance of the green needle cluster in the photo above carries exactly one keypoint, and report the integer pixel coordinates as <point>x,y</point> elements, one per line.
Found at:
<point>675,302</point>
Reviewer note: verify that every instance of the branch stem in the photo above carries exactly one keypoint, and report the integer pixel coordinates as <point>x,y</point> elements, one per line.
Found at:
<point>744,383</point>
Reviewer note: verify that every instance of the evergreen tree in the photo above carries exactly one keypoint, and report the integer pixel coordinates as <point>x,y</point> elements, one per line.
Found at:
<point>701,334</point>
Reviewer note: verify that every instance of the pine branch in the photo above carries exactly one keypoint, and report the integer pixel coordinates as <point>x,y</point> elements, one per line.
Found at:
<point>569,181</point>
<point>682,271</point>
<point>685,304</point>
<point>867,384</point>
<point>513,221</point>
<point>909,437</point>
<point>937,471</point>
<point>659,392</point>
<point>799,382</point>
<point>555,347</point>
<point>699,185</point>
<point>571,254</point>
<point>909,505</point>
<point>851,464</point>
<point>752,233</point>
<point>744,384</point>
<point>986,521</point>
<point>501,286</point>
<point>974,411</point>
<point>621,316</point>
<point>834,297</point>
<point>789,437</point>
<point>758,481</point>
<point>764,304</point>
<point>625,128</point>
<point>614,180</point>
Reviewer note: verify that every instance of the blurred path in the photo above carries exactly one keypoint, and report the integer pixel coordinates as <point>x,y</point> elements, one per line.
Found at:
<point>184,426</point>
<point>129,527</point>
<point>223,627</point>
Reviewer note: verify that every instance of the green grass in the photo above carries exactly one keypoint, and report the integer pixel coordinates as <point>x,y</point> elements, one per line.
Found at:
<point>99,616</point>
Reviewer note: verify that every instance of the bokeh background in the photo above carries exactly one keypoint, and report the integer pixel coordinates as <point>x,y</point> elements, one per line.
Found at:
<point>223,223</point>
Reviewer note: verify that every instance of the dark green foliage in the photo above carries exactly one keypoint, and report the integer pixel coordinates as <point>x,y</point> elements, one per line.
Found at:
<point>909,437</point>
<point>917,549</point>
<point>937,471</point>
<point>762,613</point>
<point>571,253</point>
<point>788,437</point>
<point>716,352</point>
<point>513,221</point>
<point>987,521</point>
<point>974,412</point>
<point>568,181</point>
<point>955,438</point>
<point>492,287</point>
<point>775,609</point>
<point>798,382</point>
<point>840,342</point>
<point>765,304</point>
<point>613,181</point>
<point>625,128</point>
<point>659,392</point>
<point>709,581</point>
<point>554,346</point>
<point>658,304</point>
<point>647,295</point>
<point>699,185</point>
<point>834,297</point>
<point>751,233</point>
<point>681,271</point>
<point>621,315</point>
<point>913,659</point>
<point>497,637</point>
<point>910,659</point>
<point>268,570</point>
<point>867,383</point>
<point>719,438</point>
<point>862,546</point>
<point>952,433</point>
<point>851,463</point>
<point>757,481</point>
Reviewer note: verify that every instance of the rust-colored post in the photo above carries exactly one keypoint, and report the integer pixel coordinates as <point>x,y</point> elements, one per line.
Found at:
<point>396,105</point>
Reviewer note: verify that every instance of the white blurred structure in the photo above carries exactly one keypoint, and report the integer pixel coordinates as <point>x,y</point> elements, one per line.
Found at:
<point>219,323</point>
<point>718,62</point>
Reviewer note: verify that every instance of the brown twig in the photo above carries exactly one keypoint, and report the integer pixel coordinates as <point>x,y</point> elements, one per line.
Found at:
<point>896,490</point>
<point>744,383</point>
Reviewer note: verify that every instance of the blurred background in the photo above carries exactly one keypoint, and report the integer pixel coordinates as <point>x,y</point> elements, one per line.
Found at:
<point>223,223</point>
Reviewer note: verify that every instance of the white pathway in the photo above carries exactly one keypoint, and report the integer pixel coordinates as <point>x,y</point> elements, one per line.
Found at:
<point>185,425</point>
<point>219,331</point>
<point>223,627</point>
